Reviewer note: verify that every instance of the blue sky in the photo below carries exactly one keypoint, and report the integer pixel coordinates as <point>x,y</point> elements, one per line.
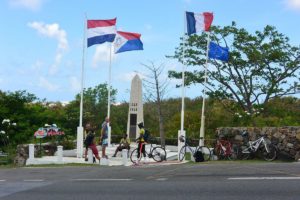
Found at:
<point>41,40</point>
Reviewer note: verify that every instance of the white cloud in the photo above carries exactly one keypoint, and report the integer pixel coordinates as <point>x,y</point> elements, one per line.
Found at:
<point>75,84</point>
<point>101,54</point>
<point>292,4</point>
<point>28,4</point>
<point>53,31</point>
<point>44,83</point>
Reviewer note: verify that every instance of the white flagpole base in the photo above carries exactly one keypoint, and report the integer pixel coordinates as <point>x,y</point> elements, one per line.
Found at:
<point>79,142</point>
<point>180,144</point>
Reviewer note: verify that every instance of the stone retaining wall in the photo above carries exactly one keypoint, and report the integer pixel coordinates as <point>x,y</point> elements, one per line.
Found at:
<point>287,139</point>
<point>22,152</point>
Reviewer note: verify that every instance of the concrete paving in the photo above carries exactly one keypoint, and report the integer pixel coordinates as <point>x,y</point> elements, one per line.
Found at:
<point>69,156</point>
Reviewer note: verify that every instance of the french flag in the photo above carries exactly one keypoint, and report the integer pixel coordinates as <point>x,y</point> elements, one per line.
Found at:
<point>126,41</point>
<point>100,31</point>
<point>197,22</point>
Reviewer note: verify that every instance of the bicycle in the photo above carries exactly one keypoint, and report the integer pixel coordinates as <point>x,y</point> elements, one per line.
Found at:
<point>187,148</point>
<point>262,145</point>
<point>225,150</point>
<point>156,153</point>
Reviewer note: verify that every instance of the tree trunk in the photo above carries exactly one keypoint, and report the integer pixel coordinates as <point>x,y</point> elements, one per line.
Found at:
<point>161,126</point>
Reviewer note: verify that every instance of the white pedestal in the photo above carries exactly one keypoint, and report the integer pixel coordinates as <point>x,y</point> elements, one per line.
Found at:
<point>180,144</point>
<point>31,151</point>
<point>109,135</point>
<point>124,156</point>
<point>90,156</point>
<point>104,161</point>
<point>60,154</point>
<point>30,159</point>
<point>79,142</point>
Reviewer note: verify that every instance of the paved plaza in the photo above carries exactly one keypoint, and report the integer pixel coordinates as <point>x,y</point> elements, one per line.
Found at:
<point>69,156</point>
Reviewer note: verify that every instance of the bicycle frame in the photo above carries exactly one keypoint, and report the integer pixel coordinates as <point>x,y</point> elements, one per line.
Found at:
<point>225,145</point>
<point>148,150</point>
<point>254,145</point>
<point>190,149</point>
<point>148,153</point>
<point>156,153</point>
<point>187,148</point>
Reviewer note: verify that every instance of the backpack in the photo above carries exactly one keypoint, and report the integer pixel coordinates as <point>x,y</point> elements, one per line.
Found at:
<point>198,156</point>
<point>146,135</point>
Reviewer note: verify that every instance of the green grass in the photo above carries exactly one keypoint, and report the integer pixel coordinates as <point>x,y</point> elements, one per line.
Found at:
<point>5,166</point>
<point>188,156</point>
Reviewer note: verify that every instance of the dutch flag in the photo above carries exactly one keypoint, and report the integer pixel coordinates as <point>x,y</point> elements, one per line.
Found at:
<point>100,31</point>
<point>197,22</point>
<point>126,41</point>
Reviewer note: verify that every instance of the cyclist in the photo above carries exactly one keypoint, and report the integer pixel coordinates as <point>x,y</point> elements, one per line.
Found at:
<point>140,140</point>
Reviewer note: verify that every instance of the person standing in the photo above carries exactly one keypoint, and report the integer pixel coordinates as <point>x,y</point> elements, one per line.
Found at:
<point>89,142</point>
<point>104,137</point>
<point>141,142</point>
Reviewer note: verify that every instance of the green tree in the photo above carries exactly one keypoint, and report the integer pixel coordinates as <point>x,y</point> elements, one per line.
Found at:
<point>118,118</point>
<point>262,66</point>
<point>281,112</point>
<point>15,106</point>
<point>94,106</point>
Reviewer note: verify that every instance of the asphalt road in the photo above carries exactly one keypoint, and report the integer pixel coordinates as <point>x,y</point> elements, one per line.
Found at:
<point>276,181</point>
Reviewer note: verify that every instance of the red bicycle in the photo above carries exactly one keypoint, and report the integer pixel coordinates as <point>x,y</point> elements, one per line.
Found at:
<point>225,150</point>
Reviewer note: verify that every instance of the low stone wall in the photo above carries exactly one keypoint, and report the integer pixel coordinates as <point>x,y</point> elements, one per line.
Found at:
<point>287,139</point>
<point>22,152</point>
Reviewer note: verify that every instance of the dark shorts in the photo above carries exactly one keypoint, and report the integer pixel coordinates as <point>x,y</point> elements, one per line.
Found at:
<point>94,149</point>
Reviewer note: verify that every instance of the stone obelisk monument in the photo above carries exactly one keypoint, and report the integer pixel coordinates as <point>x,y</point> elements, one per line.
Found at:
<point>135,114</point>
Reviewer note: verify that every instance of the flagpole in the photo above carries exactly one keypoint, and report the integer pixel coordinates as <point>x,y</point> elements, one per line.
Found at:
<point>109,84</point>
<point>201,141</point>
<point>183,77</point>
<point>108,96</point>
<point>182,98</point>
<point>80,127</point>
<point>181,132</point>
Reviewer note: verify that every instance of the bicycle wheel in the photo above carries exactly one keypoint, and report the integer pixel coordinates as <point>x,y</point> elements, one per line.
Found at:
<point>159,154</point>
<point>271,155</point>
<point>233,155</point>
<point>218,151</point>
<point>134,156</point>
<point>182,153</point>
<point>205,152</point>
<point>244,153</point>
